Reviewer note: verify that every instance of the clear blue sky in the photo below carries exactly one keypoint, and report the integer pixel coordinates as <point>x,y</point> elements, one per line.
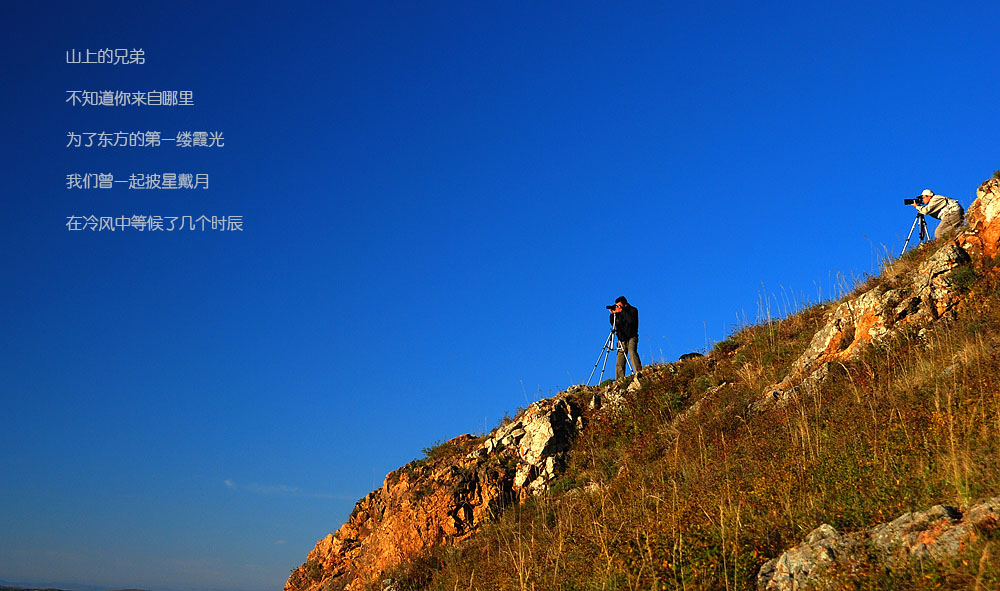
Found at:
<point>439,199</point>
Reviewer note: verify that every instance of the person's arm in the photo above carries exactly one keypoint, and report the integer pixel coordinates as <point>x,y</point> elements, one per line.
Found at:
<point>925,209</point>
<point>935,206</point>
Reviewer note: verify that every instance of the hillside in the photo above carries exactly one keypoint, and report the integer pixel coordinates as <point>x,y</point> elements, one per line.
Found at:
<point>850,445</point>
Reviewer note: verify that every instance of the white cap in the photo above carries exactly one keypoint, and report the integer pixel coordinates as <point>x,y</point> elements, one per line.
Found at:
<point>927,193</point>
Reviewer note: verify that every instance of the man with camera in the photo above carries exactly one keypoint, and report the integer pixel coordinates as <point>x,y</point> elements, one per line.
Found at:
<point>946,209</point>
<point>625,319</point>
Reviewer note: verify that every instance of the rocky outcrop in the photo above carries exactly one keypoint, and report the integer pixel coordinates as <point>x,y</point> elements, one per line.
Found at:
<point>905,296</point>
<point>982,235</point>
<point>539,439</point>
<point>443,497</point>
<point>469,480</point>
<point>934,534</point>
<point>924,295</point>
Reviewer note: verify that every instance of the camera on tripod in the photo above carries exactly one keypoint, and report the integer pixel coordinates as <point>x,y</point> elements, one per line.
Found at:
<point>918,222</point>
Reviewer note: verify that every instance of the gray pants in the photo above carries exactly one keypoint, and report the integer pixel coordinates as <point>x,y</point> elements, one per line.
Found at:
<point>633,353</point>
<point>949,223</point>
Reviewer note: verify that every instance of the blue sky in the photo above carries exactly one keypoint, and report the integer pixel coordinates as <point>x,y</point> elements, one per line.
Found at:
<point>438,203</point>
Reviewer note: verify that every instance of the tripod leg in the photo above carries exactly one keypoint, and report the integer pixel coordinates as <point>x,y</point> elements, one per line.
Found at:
<point>607,353</point>
<point>628,363</point>
<point>910,235</point>
<point>595,367</point>
<point>620,349</point>
<point>604,353</point>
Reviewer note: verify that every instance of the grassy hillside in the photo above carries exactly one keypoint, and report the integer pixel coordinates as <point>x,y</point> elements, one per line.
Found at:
<point>682,487</point>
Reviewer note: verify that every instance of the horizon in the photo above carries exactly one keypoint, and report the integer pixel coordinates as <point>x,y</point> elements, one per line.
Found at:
<point>63,587</point>
<point>437,204</point>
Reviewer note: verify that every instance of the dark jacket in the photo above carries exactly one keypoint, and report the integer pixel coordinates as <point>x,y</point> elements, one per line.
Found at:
<point>628,323</point>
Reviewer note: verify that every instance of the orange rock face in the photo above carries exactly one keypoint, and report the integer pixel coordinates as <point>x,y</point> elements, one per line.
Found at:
<point>442,498</point>
<point>982,235</point>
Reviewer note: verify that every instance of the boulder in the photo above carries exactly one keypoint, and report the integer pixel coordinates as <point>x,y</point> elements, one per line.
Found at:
<point>798,566</point>
<point>934,534</point>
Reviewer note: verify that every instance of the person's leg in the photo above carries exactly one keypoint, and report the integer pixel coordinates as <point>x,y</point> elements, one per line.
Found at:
<point>620,367</point>
<point>949,225</point>
<point>633,353</point>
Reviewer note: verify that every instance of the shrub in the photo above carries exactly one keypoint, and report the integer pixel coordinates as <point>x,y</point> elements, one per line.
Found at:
<point>727,346</point>
<point>440,450</point>
<point>963,278</point>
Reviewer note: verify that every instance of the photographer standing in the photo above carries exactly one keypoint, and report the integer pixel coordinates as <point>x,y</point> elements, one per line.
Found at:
<point>946,209</point>
<point>625,319</point>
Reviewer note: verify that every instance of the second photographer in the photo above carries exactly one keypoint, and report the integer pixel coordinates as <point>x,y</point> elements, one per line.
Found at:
<point>625,319</point>
<point>946,209</point>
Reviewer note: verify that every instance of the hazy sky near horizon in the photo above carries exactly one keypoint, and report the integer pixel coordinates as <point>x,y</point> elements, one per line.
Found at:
<point>438,201</point>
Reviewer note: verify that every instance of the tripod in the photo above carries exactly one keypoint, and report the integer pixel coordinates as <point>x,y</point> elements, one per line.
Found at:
<point>922,237</point>
<point>609,345</point>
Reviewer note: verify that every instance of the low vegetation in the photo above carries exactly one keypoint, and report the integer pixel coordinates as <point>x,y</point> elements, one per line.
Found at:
<point>312,573</point>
